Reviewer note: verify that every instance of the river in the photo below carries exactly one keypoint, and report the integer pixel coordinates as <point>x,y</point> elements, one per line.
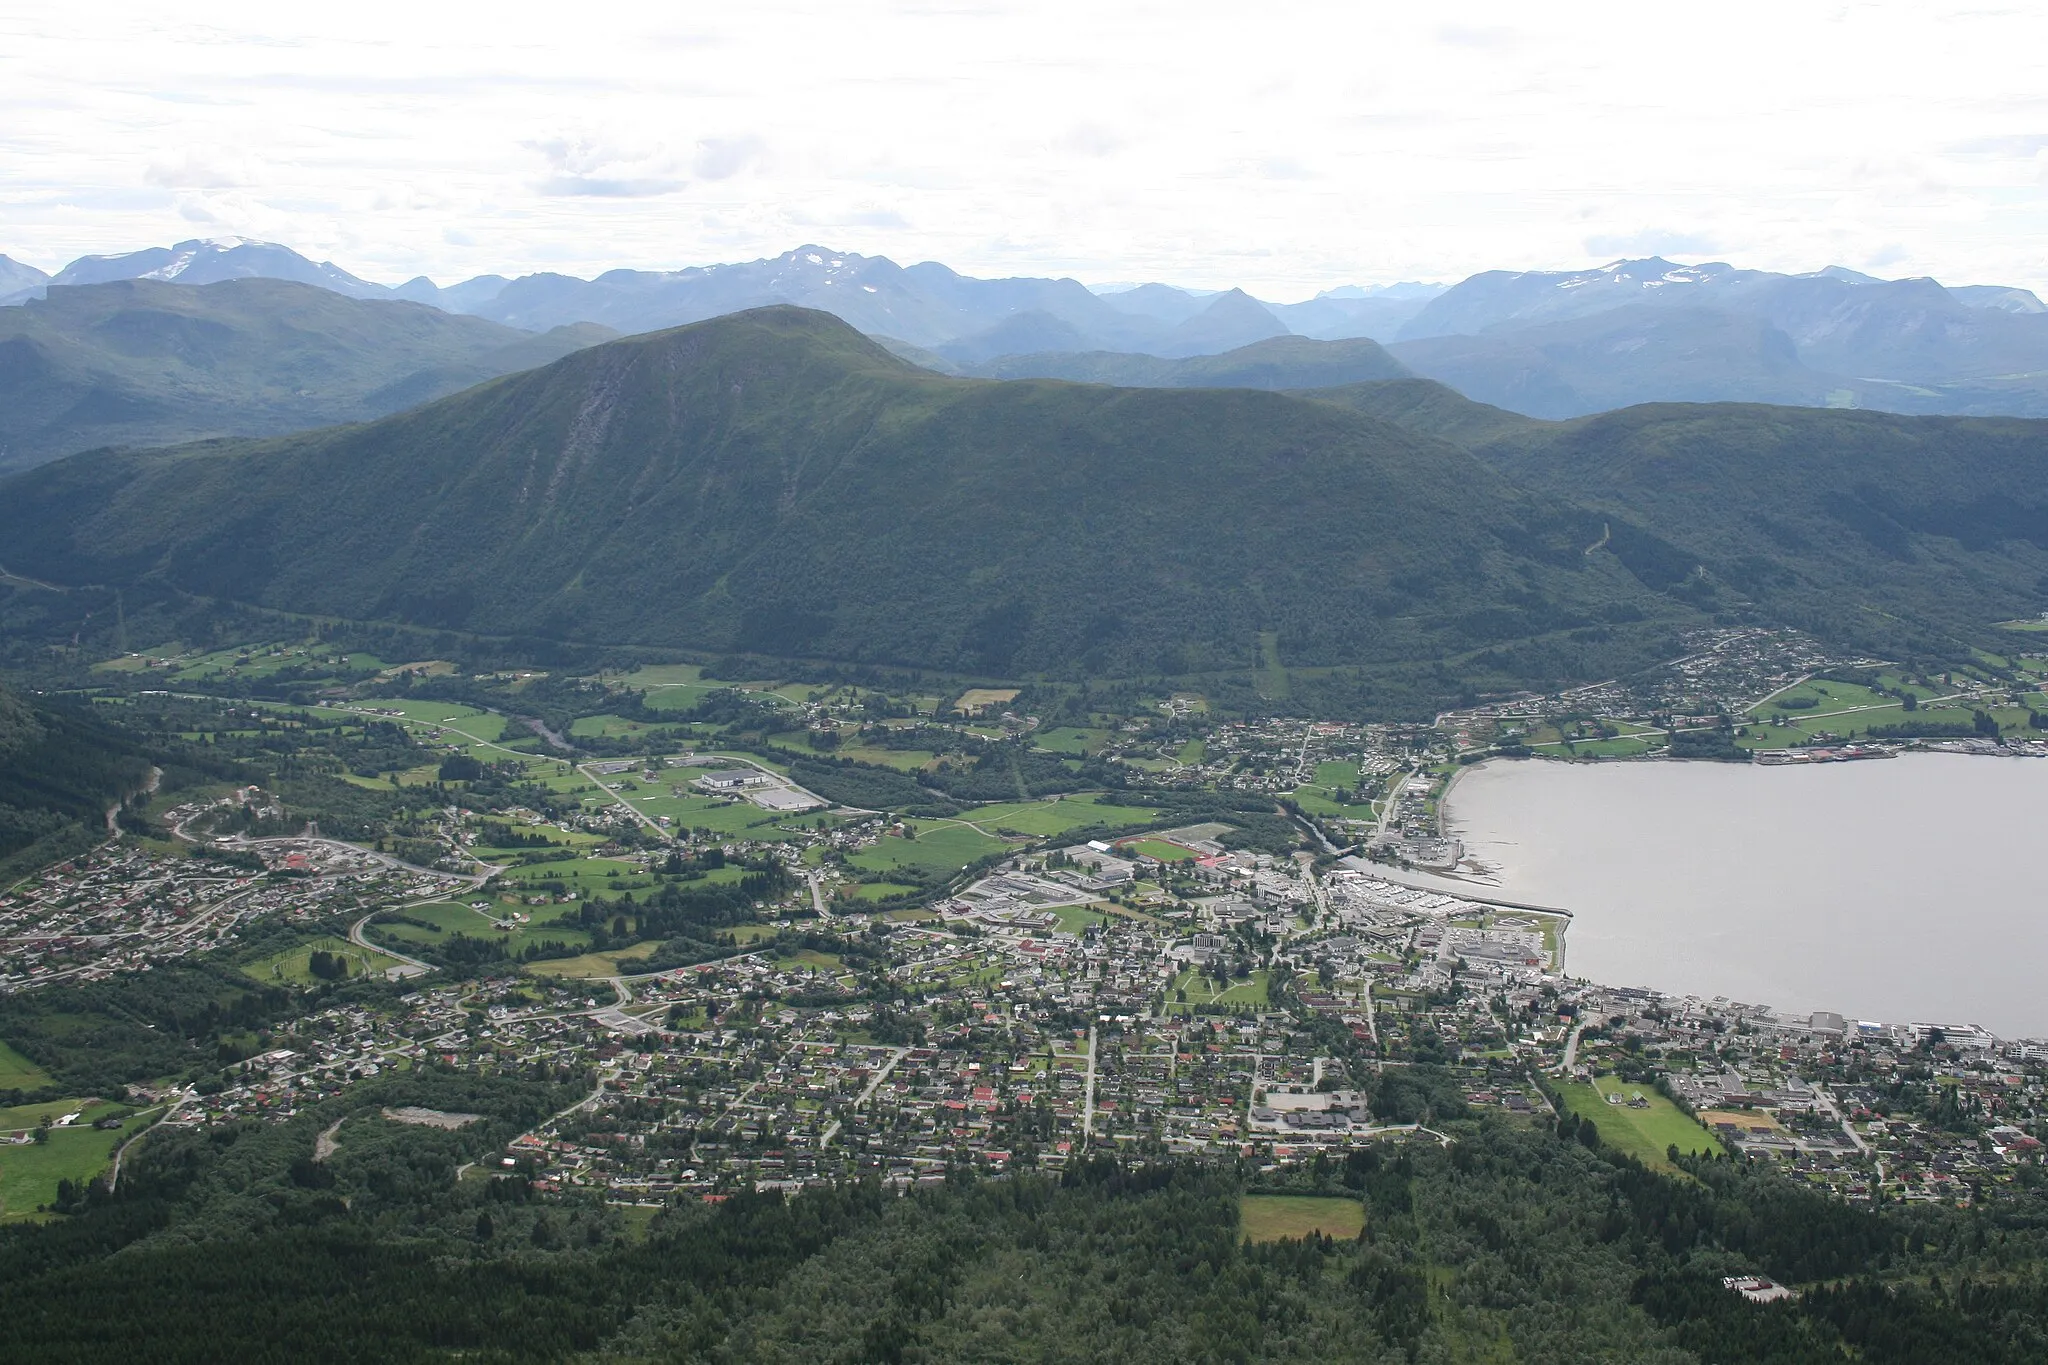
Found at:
<point>1908,889</point>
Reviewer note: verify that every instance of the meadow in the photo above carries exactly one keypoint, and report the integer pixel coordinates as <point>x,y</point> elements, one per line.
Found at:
<point>1274,1217</point>
<point>1645,1134</point>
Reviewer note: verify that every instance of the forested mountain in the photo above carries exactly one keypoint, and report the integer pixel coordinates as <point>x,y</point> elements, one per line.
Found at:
<point>60,773</point>
<point>776,482</point>
<point>1874,529</point>
<point>145,362</point>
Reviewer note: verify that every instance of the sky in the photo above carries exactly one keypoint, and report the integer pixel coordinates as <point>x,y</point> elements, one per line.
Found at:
<point>1280,146</point>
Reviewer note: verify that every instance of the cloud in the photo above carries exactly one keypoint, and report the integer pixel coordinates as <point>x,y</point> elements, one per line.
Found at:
<point>596,167</point>
<point>200,169</point>
<point>721,158</point>
<point>1651,242</point>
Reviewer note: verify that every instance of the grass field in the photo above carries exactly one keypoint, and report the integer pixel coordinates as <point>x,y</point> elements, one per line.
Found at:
<point>617,962</point>
<point>1276,1217</point>
<point>29,1173</point>
<point>1067,739</point>
<point>937,848</point>
<point>1042,819</point>
<point>1644,1134</point>
<point>1160,849</point>
<point>18,1072</point>
<point>293,964</point>
<point>1074,918</point>
<point>880,891</point>
<point>460,919</point>
<point>1201,990</point>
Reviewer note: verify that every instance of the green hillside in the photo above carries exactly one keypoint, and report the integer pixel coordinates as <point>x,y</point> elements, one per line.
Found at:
<point>59,774</point>
<point>144,362</point>
<point>775,482</point>
<point>1276,363</point>
<point>1877,530</point>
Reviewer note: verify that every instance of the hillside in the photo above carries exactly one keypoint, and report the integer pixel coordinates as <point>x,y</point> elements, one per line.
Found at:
<point>1875,529</point>
<point>775,482</point>
<point>1277,363</point>
<point>59,774</point>
<point>143,362</point>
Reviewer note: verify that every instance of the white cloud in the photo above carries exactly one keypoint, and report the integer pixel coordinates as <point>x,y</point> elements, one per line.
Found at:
<point>1286,147</point>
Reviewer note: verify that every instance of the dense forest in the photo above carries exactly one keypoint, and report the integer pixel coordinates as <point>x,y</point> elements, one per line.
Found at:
<point>1506,1242</point>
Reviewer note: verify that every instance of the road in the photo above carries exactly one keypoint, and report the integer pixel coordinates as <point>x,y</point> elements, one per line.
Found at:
<point>817,894</point>
<point>1088,1096</point>
<point>355,936</point>
<point>873,1085</point>
<point>1571,1048</point>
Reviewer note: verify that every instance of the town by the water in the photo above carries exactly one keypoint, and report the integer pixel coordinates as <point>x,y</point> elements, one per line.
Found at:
<point>1174,990</point>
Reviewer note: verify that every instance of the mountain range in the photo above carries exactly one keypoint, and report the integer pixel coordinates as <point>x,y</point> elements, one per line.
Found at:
<point>154,362</point>
<point>1546,343</point>
<point>774,482</point>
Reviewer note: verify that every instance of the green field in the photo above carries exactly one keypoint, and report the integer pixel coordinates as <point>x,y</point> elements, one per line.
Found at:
<point>1042,819</point>
<point>1201,990</point>
<point>292,964</point>
<point>1275,1217</point>
<point>938,848</point>
<point>617,962</point>
<point>29,1173</point>
<point>1160,849</point>
<point>1644,1134</point>
<point>1074,918</point>
<point>18,1072</point>
<point>1067,739</point>
<point>460,919</point>
<point>880,891</point>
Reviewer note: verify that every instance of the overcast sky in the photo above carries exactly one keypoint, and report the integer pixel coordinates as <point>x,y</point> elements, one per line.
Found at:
<point>1285,147</point>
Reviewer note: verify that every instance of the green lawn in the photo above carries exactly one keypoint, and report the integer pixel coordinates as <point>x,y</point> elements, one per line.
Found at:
<point>1644,1134</point>
<point>18,1072</point>
<point>1067,739</point>
<point>460,919</point>
<point>1042,819</point>
<point>938,848</point>
<point>1274,1217</point>
<point>29,1173</point>
<point>878,891</point>
<point>1074,918</point>
<point>1160,849</point>
<point>293,964</point>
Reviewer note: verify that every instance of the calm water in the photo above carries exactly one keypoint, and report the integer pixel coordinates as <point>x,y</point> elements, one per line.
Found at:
<point>1913,889</point>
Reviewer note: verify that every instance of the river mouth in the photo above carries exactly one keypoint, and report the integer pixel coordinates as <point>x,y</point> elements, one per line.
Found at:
<point>1915,890</point>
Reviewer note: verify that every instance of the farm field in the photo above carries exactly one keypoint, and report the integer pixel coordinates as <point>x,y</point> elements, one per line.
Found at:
<point>29,1173</point>
<point>18,1072</point>
<point>1044,818</point>
<point>460,919</point>
<point>1066,739</point>
<point>938,848</point>
<point>1274,1217</point>
<point>616,962</point>
<point>1644,1134</point>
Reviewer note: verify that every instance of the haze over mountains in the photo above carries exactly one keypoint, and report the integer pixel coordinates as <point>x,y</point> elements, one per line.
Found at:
<point>1545,343</point>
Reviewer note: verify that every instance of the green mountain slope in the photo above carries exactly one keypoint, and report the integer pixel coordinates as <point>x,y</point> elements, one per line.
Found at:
<point>144,362</point>
<point>1277,363</point>
<point>1430,409</point>
<point>59,774</point>
<point>775,482</point>
<point>1880,530</point>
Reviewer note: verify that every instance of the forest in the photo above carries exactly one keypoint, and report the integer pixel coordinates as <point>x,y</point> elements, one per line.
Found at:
<point>240,1243</point>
